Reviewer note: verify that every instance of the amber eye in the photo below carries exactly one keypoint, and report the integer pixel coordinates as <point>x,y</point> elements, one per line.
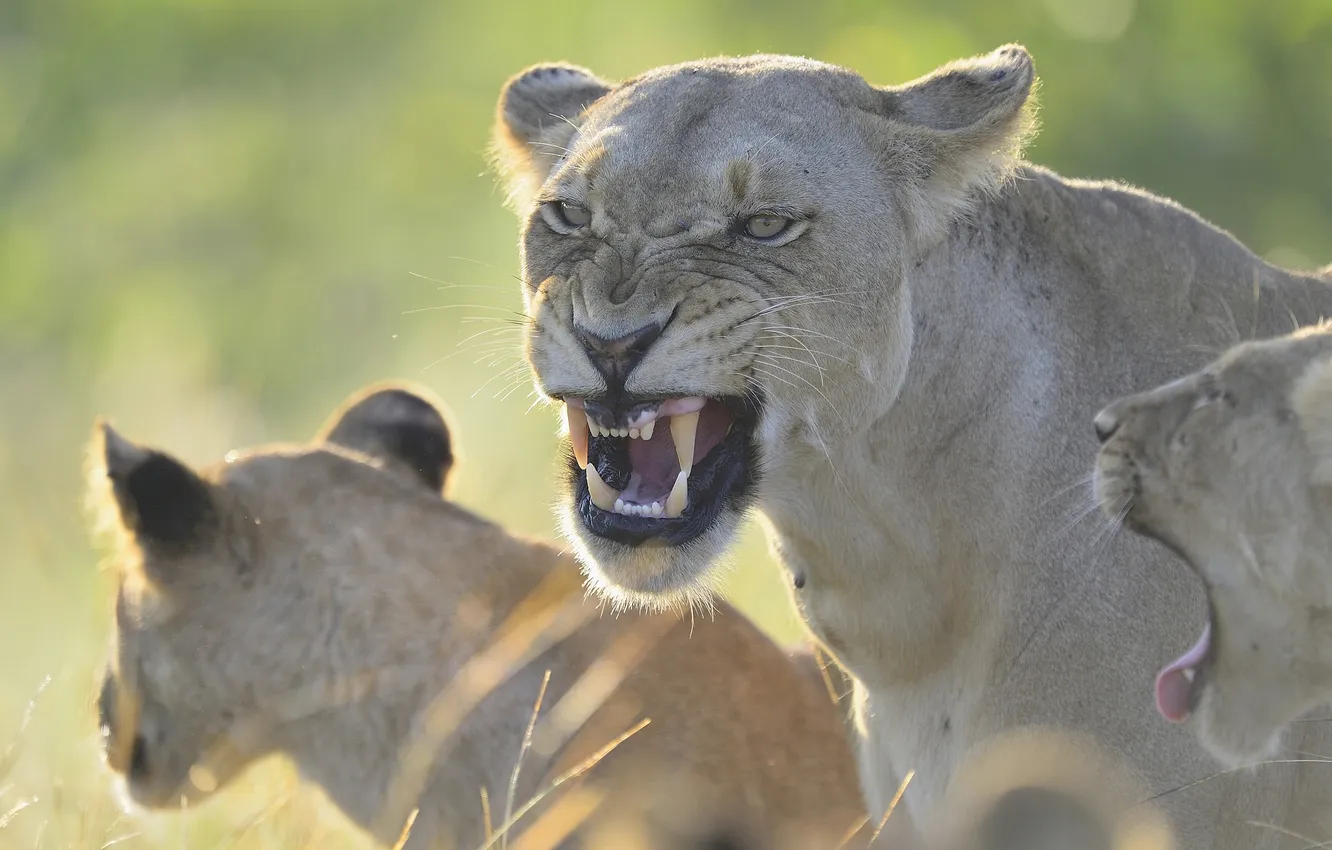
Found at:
<point>572,214</point>
<point>766,226</point>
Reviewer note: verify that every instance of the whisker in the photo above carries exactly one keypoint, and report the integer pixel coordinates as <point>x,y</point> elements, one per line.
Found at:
<point>514,386</point>
<point>518,324</point>
<point>809,332</point>
<point>1184,786</point>
<point>771,364</point>
<point>1309,843</point>
<point>551,146</point>
<point>462,306</point>
<point>763,351</point>
<point>1081,481</point>
<point>1078,514</point>
<point>508,374</point>
<point>774,377</point>
<point>813,359</point>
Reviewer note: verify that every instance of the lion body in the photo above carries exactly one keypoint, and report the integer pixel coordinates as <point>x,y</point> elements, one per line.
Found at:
<point>949,335</point>
<point>976,602</point>
<point>332,607</point>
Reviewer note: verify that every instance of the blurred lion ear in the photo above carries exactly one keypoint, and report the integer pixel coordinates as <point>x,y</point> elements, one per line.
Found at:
<point>958,132</point>
<point>1312,402</point>
<point>539,110</point>
<point>402,425</point>
<point>161,502</point>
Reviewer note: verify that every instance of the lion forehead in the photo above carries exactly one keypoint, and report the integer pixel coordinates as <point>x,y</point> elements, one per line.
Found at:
<point>680,135</point>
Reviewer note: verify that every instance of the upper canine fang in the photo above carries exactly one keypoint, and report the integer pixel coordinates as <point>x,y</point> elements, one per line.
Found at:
<point>576,420</point>
<point>684,428</point>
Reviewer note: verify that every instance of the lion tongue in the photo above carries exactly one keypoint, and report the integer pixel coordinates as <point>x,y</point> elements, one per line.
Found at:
<point>1174,684</point>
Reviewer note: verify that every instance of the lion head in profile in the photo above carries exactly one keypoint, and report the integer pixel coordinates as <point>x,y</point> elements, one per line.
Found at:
<point>1231,467</point>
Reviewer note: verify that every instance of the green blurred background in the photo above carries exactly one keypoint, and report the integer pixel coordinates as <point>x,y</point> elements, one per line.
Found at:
<point>219,217</point>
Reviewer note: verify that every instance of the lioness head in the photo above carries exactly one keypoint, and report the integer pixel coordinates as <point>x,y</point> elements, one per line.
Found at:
<point>231,584</point>
<point>1231,467</point>
<point>715,260</point>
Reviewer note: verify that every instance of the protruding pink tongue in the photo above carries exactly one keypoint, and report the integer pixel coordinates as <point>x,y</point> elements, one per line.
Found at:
<point>1173,686</point>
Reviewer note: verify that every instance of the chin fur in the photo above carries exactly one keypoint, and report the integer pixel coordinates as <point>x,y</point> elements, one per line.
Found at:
<point>1242,746</point>
<point>653,577</point>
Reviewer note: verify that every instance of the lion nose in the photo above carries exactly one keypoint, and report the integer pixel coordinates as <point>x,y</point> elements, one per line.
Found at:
<point>616,358</point>
<point>1106,423</point>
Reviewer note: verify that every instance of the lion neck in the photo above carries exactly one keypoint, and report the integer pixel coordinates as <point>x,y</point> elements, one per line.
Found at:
<point>888,519</point>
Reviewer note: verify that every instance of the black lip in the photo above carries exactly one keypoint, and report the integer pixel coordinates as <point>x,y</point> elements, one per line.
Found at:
<point>725,478</point>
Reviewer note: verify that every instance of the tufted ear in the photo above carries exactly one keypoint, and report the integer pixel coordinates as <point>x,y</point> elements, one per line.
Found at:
<point>161,501</point>
<point>402,425</point>
<point>538,113</point>
<point>958,132</point>
<point>1312,402</point>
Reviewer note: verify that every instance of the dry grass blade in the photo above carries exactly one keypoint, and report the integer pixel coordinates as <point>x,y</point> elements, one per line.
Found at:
<point>854,831</point>
<point>15,749</point>
<point>819,660</point>
<point>8,815</point>
<point>120,747</point>
<point>406,830</point>
<point>522,754</point>
<point>551,612</point>
<point>264,814</point>
<point>487,823</point>
<point>598,682</point>
<point>560,820</point>
<point>577,771</point>
<point>901,789</point>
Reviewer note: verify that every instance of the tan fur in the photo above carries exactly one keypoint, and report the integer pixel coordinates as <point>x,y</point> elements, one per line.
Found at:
<point>930,345</point>
<point>1229,467</point>
<point>324,596</point>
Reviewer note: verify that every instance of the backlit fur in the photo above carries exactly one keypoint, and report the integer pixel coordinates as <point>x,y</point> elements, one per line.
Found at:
<point>931,348</point>
<point>330,598</point>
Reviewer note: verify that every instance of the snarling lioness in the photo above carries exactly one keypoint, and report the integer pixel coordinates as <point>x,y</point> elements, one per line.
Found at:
<point>1232,468</point>
<point>324,602</point>
<point>764,283</point>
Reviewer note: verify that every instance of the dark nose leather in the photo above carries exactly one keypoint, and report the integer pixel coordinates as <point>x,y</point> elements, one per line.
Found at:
<point>616,358</point>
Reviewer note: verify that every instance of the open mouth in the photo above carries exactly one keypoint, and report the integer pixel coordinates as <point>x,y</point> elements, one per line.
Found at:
<point>1180,684</point>
<point>659,469</point>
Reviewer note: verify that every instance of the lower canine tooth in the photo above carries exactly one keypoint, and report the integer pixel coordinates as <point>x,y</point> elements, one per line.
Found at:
<point>683,430</point>
<point>603,495</point>
<point>679,498</point>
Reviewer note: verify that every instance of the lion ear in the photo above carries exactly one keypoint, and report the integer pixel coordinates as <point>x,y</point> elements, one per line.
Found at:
<point>1312,401</point>
<point>160,501</point>
<point>960,131</point>
<point>539,111</point>
<point>401,424</point>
